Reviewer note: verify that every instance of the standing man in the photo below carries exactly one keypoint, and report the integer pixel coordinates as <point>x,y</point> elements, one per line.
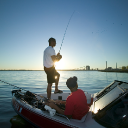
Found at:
<point>49,59</point>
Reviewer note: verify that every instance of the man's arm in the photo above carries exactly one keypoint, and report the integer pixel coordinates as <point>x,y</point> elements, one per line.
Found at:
<point>52,105</point>
<point>56,57</point>
<point>60,102</point>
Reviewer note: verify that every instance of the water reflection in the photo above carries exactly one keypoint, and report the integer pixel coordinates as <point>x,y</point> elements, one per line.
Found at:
<point>19,122</point>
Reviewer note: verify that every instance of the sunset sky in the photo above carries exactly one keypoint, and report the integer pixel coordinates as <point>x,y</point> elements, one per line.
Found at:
<point>97,32</point>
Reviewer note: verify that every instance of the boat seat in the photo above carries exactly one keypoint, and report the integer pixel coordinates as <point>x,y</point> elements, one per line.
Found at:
<point>89,104</point>
<point>80,121</point>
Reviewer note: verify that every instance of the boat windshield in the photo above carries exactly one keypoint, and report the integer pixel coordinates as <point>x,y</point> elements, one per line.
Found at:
<point>107,99</point>
<point>123,85</point>
<point>111,108</point>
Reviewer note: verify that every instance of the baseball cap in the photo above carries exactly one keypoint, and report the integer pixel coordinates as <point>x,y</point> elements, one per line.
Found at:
<point>71,82</point>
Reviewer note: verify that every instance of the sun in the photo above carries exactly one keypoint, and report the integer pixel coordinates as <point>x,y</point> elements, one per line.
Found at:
<point>59,64</point>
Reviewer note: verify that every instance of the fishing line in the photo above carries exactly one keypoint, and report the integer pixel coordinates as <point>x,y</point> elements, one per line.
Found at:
<point>21,88</point>
<point>66,30</point>
<point>13,85</point>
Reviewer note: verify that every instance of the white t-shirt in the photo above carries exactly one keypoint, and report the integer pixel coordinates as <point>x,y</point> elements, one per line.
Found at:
<point>47,60</point>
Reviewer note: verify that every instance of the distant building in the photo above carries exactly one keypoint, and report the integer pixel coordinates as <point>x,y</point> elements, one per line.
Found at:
<point>87,67</point>
<point>109,68</point>
<point>106,64</point>
<point>123,67</point>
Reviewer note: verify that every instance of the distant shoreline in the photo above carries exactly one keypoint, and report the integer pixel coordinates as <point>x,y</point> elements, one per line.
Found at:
<point>118,70</point>
<point>43,70</point>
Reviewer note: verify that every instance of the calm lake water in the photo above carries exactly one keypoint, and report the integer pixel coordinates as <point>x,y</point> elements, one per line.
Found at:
<point>36,82</point>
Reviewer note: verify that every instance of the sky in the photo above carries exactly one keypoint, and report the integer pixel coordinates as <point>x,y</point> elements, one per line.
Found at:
<point>96,33</point>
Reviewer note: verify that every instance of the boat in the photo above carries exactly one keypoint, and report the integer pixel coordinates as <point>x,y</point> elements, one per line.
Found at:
<point>108,108</point>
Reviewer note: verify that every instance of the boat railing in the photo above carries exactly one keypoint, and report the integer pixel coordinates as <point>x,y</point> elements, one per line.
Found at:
<point>63,116</point>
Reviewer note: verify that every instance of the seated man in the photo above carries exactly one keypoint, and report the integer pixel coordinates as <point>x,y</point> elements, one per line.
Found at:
<point>76,103</point>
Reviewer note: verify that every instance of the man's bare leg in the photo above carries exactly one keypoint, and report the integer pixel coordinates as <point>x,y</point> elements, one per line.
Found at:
<point>56,83</point>
<point>49,90</point>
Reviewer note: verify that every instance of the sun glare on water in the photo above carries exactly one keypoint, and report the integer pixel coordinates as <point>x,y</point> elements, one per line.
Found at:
<point>59,65</point>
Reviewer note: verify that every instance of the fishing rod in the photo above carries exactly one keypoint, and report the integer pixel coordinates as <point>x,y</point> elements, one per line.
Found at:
<point>66,30</point>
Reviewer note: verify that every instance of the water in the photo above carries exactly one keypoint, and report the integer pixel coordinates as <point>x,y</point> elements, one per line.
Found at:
<point>35,81</point>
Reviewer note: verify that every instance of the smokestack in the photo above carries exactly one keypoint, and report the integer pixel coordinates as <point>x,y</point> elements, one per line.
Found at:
<point>106,64</point>
<point>116,65</point>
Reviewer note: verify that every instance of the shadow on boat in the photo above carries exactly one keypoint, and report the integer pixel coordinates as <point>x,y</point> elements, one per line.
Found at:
<point>19,122</point>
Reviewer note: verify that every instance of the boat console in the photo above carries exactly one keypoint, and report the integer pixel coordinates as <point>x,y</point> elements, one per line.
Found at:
<point>111,107</point>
